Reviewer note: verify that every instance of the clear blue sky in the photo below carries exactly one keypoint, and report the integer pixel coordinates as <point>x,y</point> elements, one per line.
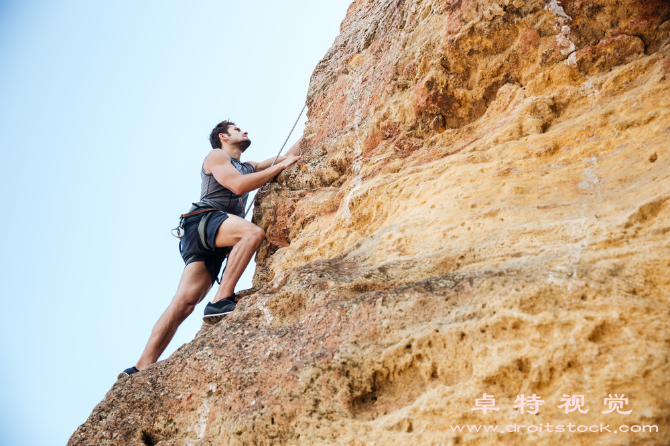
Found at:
<point>105,111</point>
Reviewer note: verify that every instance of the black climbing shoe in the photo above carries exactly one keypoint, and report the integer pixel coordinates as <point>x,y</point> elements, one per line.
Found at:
<point>127,372</point>
<point>215,312</point>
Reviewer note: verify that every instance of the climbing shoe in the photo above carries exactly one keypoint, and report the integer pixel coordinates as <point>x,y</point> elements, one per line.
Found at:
<point>127,372</point>
<point>215,312</point>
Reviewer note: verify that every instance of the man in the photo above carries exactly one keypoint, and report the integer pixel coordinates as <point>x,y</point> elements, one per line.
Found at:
<point>214,227</point>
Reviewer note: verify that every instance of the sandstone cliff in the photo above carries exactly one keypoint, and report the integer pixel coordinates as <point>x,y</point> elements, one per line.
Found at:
<point>484,207</point>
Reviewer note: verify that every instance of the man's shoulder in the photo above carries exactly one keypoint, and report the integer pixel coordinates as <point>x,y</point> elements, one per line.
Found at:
<point>217,156</point>
<point>218,153</point>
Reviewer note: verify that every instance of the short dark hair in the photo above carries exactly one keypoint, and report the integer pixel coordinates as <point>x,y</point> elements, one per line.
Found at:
<point>221,127</point>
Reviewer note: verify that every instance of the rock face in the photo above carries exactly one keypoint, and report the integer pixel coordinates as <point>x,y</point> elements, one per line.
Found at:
<point>483,208</point>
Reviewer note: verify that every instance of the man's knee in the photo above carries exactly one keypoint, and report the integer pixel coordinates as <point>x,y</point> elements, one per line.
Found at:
<point>258,235</point>
<point>184,309</point>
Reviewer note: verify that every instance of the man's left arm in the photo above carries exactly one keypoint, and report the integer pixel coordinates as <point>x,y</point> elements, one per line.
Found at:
<point>294,150</point>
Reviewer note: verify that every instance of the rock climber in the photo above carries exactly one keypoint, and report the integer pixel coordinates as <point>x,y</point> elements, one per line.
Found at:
<point>213,229</point>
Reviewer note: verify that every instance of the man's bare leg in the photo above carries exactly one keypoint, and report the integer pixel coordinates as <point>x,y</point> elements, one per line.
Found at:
<point>194,284</point>
<point>246,238</point>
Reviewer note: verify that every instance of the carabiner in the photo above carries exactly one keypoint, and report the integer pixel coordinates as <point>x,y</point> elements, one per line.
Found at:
<point>179,229</point>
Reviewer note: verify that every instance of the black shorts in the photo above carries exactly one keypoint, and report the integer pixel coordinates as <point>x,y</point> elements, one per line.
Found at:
<point>198,242</point>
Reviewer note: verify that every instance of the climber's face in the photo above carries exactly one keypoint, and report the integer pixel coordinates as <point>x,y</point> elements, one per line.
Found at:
<point>236,137</point>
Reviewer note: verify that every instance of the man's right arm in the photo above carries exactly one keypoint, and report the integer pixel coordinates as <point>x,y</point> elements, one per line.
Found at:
<point>218,163</point>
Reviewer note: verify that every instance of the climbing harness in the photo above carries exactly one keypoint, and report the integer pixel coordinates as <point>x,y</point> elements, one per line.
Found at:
<point>180,229</point>
<point>201,226</point>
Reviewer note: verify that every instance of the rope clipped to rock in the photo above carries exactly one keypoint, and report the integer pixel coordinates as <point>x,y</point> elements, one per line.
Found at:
<point>263,188</point>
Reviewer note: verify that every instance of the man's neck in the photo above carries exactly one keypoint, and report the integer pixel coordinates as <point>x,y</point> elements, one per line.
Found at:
<point>233,152</point>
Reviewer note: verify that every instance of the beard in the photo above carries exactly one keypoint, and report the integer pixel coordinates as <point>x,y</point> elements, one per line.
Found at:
<point>243,145</point>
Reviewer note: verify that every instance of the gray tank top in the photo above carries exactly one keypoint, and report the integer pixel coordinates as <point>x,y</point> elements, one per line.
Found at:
<point>215,195</point>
